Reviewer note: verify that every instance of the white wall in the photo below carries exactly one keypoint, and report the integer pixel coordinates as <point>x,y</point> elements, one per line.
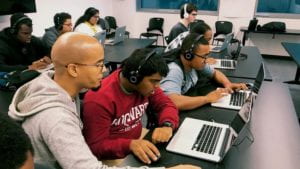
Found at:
<point>46,9</point>
<point>240,12</point>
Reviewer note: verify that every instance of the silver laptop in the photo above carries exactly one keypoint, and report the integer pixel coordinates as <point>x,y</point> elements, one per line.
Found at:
<point>237,99</point>
<point>101,36</point>
<point>209,140</point>
<point>227,63</point>
<point>225,44</point>
<point>119,36</point>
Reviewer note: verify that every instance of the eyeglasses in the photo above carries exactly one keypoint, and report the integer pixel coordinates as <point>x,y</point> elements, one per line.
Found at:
<point>202,56</point>
<point>96,16</point>
<point>99,65</point>
<point>68,24</point>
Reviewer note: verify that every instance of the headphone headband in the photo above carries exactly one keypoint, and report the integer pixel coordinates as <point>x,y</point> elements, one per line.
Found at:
<point>188,54</point>
<point>134,77</point>
<point>13,28</point>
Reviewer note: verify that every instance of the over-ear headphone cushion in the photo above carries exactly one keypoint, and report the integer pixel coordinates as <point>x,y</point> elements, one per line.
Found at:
<point>133,78</point>
<point>188,56</point>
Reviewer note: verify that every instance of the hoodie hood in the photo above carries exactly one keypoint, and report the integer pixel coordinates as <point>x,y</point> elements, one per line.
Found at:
<point>37,95</point>
<point>52,30</point>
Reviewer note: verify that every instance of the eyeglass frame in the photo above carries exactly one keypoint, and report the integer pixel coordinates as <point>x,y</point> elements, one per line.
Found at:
<point>99,65</point>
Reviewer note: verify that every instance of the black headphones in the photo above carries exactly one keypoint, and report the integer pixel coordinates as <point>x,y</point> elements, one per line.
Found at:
<point>188,54</point>
<point>134,76</point>
<point>13,29</point>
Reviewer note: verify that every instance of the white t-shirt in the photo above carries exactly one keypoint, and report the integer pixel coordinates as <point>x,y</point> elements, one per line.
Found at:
<point>84,28</point>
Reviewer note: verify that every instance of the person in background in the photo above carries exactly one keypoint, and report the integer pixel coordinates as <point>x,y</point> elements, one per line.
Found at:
<point>49,108</point>
<point>87,23</point>
<point>183,75</point>
<point>62,24</point>
<point>19,49</point>
<point>112,116</point>
<point>200,28</point>
<point>188,13</point>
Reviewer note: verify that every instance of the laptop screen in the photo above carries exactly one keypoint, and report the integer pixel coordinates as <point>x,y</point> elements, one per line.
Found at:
<point>259,79</point>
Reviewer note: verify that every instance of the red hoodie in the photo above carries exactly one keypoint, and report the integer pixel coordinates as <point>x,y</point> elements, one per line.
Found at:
<point>112,118</point>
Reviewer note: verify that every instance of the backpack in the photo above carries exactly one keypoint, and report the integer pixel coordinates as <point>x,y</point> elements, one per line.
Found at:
<point>11,81</point>
<point>273,27</point>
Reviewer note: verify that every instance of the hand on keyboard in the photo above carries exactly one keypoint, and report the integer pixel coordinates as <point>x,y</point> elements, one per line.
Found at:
<point>144,150</point>
<point>214,96</point>
<point>236,87</point>
<point>184,167</point>
<point>210,61</point>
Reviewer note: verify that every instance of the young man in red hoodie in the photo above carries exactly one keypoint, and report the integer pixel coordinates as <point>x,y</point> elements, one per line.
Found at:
<point>113,115</point>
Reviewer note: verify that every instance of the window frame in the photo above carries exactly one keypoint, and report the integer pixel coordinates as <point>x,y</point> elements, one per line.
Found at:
<point>274,15</point>
<point>174,11</point>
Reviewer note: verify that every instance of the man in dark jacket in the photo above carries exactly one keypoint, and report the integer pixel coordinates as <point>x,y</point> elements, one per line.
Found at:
<point>62,24</point>
<point>19,50</point>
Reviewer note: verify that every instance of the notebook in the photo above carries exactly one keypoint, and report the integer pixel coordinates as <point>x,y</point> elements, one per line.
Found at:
<point>209,140</point>
<point>237,99</point>
<point>228,63</point>
<point>119,36</point>
<point>101,36</point>
<point>225,44</point>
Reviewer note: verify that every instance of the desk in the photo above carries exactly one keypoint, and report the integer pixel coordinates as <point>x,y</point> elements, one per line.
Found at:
<point>293,50</point>
<point>273,118</point>
<point>246,67</point>
<point>287,32</point>
<point>119,52</point>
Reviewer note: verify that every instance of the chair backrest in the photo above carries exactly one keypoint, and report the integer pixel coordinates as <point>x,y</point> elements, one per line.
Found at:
<point>111,22</point>
<point>223,27</point>
<point>103,24</point>
<point>196,21</point>
<point>156,24</point>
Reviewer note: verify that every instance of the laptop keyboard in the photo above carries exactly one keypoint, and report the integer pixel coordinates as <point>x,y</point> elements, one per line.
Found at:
<point>207,139</point>
<point>238,98</point>
<point>227,63</point>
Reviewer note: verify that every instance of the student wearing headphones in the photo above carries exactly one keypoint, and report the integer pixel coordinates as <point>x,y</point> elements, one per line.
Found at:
<point>188,13</point>
<point>19,49</point>
<point>200,28</point>
<point>112,115</point>
<point>183,75</point>
<point>87,23</point>
<point>62,24</point>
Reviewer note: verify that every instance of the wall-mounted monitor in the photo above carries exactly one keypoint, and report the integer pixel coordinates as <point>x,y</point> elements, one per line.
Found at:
<point>13,6</point>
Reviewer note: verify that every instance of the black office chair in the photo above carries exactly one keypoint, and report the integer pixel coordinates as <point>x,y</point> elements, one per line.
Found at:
<point>155,29</point>
<point>103,24</point>
<point>112,23</point>
<point>223,28</point>
<point>194,23</point>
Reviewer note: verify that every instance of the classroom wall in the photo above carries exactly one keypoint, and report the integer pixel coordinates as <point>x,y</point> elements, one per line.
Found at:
<point>240,12</point>
<point>46,9</point>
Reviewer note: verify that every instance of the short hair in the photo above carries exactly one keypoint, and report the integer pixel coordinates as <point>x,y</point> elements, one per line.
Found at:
<point>200,28</point>
<point>189,9</point>
<point>88,13</point>
<point>190,41</point>
<point>59,19</point>
<point>155,64</point>
<point>14,144</point>
<point>18,19</point>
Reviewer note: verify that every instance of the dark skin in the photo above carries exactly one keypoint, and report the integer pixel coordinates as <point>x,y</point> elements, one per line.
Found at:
<point>24,36</point>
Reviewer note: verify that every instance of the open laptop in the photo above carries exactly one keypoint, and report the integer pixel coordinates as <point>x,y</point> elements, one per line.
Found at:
<point>237,99</point>
<point>227,63</point>
<point>119,36</point>
<point>209,140</point>
<point>225,44</point>
<point>101,36</point>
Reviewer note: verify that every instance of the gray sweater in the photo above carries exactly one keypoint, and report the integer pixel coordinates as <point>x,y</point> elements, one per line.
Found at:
<point>52,121</point>
<point>50,36</point>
